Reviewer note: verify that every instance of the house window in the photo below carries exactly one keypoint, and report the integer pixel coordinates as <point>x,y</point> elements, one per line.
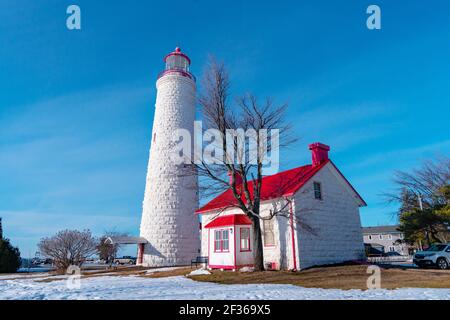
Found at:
<point>392,249</point>
<point>269,237</point>
<point>390,237</point>
<point>317,191</point>
<point>221,240</point>
<point>380,236</point>
<point>217,240</point>
<point>245,239</point>
<point>370,237</point>
<point>225,241</point>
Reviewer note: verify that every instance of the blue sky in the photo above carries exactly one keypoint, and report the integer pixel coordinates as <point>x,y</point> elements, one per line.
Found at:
<point>76,107</point>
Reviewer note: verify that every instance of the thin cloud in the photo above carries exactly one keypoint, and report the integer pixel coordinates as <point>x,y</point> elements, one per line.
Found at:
<point>415,153</point>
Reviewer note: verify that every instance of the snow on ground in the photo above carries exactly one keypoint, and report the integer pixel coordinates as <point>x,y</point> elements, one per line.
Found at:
<point>175,288</point>
<point>199,272</point>
<point>247,269</point>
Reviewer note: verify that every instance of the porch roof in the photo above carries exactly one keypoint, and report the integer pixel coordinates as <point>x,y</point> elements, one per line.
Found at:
<point>229,220</point>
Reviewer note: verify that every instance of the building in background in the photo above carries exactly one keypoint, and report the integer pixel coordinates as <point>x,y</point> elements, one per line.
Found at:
<point>385,239</point>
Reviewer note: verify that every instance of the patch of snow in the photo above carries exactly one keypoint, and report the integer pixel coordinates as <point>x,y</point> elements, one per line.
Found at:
<point>199,272</point>
<point>178,288</point>
<point>247,269</point>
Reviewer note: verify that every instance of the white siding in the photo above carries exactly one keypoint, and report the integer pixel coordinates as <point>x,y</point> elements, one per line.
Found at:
<point>274,253</point>
<point>243,257</point>
<point>221,258</point>
<point>336,227</point>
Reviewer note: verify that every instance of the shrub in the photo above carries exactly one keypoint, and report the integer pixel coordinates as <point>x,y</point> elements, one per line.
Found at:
<point>9,257</point>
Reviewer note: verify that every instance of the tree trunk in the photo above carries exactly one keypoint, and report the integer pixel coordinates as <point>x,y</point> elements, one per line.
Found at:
<point>427,236</point>
<point>258,252</point>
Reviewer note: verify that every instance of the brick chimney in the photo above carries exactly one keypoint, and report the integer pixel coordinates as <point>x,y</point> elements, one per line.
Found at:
<point>237,177</point>
<point>319,153</point>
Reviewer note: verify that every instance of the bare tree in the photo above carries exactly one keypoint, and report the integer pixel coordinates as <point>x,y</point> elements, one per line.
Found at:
<point>106,250</point>
<point>68,247</point>
<point>423,198</point>
<point>421,188</point>
<point>246,124</point>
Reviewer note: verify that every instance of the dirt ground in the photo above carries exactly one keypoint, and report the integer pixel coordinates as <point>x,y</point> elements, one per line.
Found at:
<point>336,277</point>
<point>330,277</point>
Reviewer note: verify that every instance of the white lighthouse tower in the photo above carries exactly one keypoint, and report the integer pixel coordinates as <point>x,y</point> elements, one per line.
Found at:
<point>171,196</point>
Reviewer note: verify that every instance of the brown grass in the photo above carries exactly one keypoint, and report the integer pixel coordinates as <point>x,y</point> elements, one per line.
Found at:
<point>115,271</point>
<point>336,277</point>
<point>127,271</point>
<point>171,273</point>
<point>331,277</point>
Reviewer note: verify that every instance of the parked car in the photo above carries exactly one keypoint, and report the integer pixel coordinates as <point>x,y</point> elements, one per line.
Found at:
<point>371,251</point>
<point>436,255</point>
<point>125,260</point>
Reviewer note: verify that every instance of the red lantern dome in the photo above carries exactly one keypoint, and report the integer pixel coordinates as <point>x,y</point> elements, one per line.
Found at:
<point>177,62</point>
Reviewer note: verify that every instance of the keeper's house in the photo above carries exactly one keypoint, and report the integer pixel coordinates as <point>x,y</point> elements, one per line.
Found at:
<point>320,222</point>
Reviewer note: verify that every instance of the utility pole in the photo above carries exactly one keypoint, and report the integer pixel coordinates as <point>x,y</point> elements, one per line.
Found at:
<point>419,196</point>
<point>420,202</point>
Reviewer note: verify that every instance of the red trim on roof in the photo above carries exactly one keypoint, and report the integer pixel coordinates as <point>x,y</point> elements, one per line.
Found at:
<point>282,184</point>
<point>229,220</point>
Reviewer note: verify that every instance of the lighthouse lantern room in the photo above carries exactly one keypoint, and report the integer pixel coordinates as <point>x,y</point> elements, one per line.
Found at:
<point>177,62</point>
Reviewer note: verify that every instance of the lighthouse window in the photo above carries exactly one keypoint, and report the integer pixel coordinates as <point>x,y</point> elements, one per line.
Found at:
<point>176,62</point>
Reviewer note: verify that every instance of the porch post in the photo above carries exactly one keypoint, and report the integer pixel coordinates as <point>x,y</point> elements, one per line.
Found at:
<point>140,258</point>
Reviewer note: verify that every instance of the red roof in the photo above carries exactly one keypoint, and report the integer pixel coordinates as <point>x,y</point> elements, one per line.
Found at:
<point>229,220</point>
<point>285,183</point>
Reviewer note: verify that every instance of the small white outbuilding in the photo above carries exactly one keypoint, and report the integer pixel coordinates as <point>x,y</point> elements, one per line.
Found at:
<point>322,225</point>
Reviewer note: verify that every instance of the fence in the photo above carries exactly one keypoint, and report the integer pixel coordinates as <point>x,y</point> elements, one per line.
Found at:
<point>381,260</point>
